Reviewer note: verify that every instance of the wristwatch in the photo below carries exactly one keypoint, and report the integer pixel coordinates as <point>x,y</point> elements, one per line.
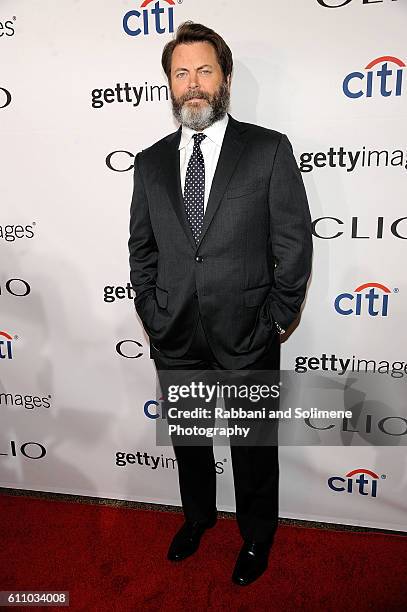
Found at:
<point>279,328</point>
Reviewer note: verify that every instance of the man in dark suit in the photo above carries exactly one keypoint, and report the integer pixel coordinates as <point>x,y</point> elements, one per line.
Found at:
<point>220,254</point>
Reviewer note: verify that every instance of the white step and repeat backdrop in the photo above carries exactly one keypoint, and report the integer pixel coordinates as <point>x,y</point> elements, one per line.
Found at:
<point>81,92</point>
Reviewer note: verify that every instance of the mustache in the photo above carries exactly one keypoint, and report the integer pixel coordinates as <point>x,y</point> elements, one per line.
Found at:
<point>194,94</point>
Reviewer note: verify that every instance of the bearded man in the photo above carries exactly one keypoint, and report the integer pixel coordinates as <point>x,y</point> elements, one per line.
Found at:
<point>220,254</point>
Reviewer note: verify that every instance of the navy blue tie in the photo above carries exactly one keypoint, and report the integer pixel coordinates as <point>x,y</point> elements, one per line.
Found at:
<point>194,188</point>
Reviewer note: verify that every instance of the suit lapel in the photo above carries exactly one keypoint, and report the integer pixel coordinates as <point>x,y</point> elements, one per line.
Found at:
<point>232,147</point>
<point>170,168</point>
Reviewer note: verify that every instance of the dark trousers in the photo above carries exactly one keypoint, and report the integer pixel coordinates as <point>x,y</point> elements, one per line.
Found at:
<point>255,468</point>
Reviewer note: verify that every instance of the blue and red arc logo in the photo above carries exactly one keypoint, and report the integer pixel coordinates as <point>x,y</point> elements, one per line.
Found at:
<point>369,298</point>
<point>386,81</point>
<point>362,481</point>
<point>147,2</point>
<point>150,19</point>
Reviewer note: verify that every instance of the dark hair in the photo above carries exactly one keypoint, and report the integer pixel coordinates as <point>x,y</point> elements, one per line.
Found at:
<point>190,32</point>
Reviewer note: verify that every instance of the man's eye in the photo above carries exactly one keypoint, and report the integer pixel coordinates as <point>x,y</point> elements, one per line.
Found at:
<point>205,72</point>
<point>181,75</point>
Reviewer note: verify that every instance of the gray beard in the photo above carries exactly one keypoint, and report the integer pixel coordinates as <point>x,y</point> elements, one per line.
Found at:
<point>199,118</point>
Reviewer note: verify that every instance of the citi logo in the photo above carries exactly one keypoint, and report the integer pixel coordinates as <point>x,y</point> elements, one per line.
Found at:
<point>362,481</point>
<point>372,298</point>
<point>387,81</point>
<point>6,347</point>
<point>153,408</point>
<point>152,19</point>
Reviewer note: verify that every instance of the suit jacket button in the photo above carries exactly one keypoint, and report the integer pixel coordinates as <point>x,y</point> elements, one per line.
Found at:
<point>199,259</point>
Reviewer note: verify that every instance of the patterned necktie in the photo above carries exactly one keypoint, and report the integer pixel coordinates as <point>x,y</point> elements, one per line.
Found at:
<point>194,188</point>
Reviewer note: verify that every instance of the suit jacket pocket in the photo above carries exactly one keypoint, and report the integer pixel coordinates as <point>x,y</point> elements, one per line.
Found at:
<point>244,190</point>
<point>154,314</point>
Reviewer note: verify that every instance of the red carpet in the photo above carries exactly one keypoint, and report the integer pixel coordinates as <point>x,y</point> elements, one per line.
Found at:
<point>114,559</point>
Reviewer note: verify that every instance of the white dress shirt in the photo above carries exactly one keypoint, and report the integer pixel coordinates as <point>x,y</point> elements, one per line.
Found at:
<point>210,148</point>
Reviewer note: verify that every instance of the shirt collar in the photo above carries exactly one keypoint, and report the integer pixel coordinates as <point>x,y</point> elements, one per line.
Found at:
<point>214,132</point>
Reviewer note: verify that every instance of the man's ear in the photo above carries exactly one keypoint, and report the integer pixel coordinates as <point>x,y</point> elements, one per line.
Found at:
<point>229,80</point>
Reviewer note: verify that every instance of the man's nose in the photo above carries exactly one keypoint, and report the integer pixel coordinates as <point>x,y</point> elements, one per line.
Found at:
<point>194,81</point>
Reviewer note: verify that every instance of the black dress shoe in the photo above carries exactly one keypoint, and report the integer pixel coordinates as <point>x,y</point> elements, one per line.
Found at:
<point>186,540</point>
<point>251,562</point>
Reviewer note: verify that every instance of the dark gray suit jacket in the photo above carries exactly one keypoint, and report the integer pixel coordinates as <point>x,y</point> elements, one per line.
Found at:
<point>253,261</point>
